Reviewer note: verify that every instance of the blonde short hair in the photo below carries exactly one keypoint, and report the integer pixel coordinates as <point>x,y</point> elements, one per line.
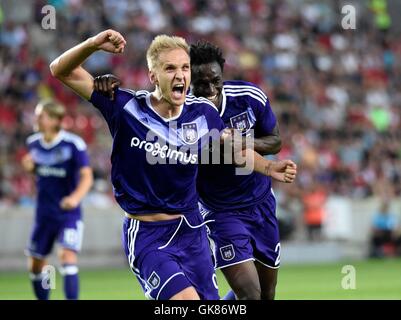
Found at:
<point>164,43</point>
<point>52,108</point>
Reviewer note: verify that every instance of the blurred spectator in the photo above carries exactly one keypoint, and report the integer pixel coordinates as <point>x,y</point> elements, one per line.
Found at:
<point>314,201</point>
<point>386,232</point>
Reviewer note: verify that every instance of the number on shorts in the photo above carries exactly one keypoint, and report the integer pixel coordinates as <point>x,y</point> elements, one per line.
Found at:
<point>70,237</point>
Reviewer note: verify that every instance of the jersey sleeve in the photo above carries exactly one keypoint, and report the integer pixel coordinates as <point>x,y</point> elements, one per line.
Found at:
<point>265,119</point>
<point>111,109</point>
<point>81,157</point>
<point>30,146</point>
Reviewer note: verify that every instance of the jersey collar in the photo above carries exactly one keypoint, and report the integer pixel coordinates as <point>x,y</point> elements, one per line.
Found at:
<point>223,102</point>
<point>149,103</point>
<point>57,139</point>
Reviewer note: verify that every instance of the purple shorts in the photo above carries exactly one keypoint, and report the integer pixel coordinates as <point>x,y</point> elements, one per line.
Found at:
<point>169,256</point>
<point>245,235</point>
<point>68,234</point>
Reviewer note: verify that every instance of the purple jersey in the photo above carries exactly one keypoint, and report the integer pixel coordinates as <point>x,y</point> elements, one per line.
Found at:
<point>57,166</point>
<point>244,107</point>
<point>140,136</point>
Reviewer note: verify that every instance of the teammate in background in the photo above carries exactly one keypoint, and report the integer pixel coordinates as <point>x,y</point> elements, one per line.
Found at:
<point>61,166</point>
<point>245,228</point>
<point>164,235</point>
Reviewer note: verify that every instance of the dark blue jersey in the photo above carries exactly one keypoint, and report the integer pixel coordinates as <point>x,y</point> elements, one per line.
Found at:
<point>57,166</point>
<point>244,107</point>
<point>154,160</point>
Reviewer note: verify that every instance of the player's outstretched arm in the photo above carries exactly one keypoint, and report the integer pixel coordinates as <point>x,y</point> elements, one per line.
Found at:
<point>68,66</point>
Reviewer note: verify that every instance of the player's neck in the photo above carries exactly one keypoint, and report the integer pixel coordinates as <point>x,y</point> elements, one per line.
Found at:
<point>49,137</point>
<point>162,107</point>
<point>219,102</point>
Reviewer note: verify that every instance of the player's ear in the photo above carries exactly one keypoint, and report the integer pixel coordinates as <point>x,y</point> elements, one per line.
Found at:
<point>153,78</point>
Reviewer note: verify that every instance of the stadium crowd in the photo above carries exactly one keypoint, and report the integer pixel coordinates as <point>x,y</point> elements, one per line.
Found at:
<point>333,90</point>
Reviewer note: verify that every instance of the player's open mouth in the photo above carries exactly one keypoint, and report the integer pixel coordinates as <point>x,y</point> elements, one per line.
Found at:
<point>178,90</point>
<point>212,98</point>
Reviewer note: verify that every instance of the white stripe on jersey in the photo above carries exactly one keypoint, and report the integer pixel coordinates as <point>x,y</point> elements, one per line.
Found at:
<point>245,90</point>
<point>245,87</point>
<point>132,233</point>
<point>203,211</point>
<point>34,137</point>
<point>62,136</point>
<point>189,98</point>
<point>132,237</point>
<point>200,100</point>
<point>228,94</point>
<point>129,232</point>
<point>255,91</point>
<point>140,92</point>
<point>76,140</point>
<point>167,281</point>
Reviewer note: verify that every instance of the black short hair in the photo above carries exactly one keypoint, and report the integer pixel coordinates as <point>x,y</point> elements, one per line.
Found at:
<point>205,52</point>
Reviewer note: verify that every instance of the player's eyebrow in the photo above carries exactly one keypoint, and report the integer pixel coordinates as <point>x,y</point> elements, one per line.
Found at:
<point>169,65</point>
<point>174,66</point>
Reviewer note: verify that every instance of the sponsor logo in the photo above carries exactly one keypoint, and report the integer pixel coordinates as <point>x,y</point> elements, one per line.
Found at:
<point>45,171</point>
<point>156,150</point>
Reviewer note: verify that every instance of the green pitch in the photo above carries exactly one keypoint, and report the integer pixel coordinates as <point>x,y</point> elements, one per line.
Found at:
<point>374,279</point>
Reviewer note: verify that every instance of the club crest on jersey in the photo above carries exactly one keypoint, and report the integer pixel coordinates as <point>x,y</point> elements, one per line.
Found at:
<point>241,122</point>
<point>190,132</point>
<point>62,154</point>
<point>154,280</point>
<point>227,252</point>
